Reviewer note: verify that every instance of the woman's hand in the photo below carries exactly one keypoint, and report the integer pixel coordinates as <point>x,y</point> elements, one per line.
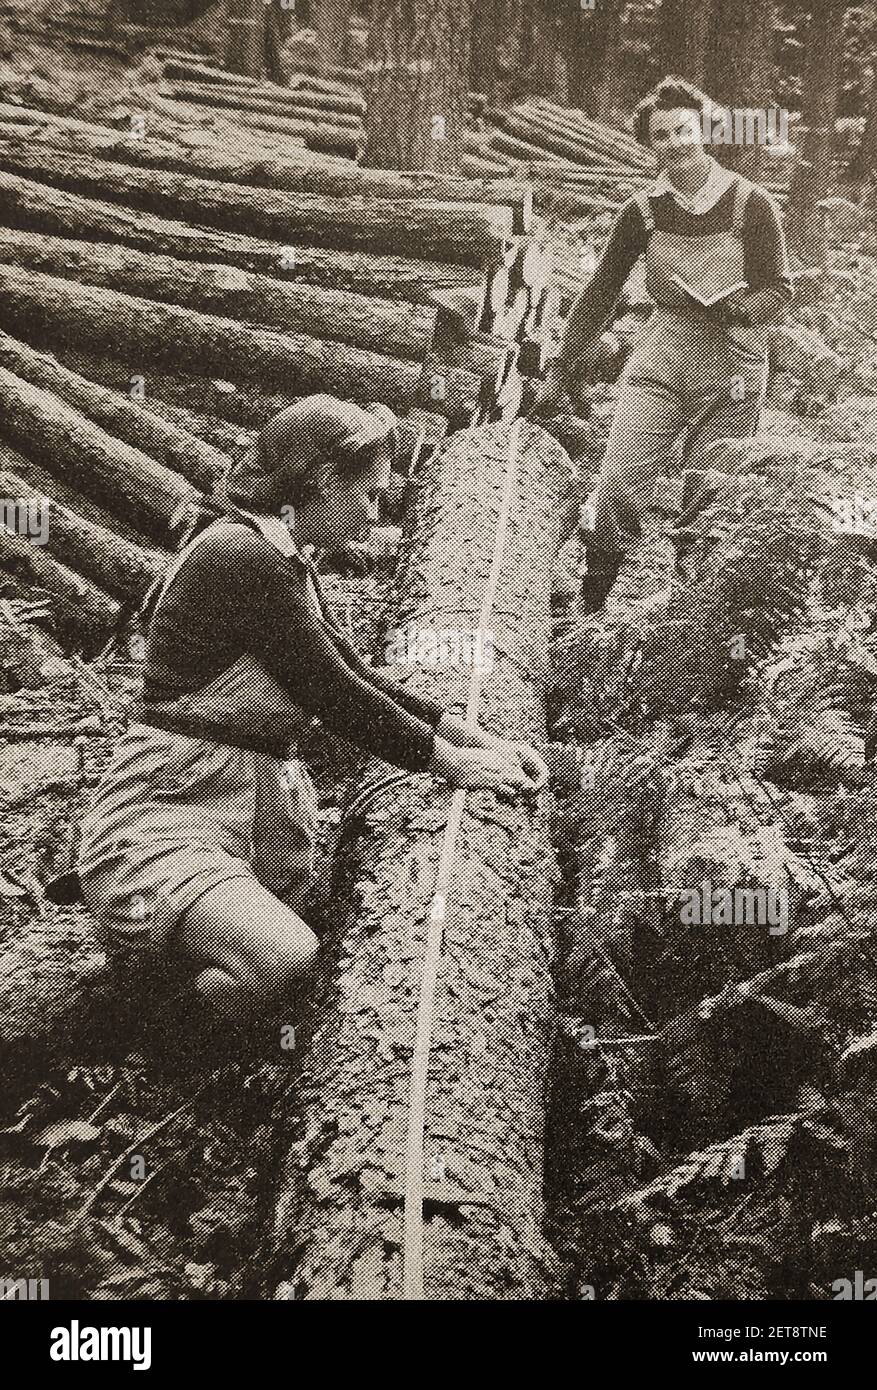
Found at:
<point>479,769</point>
<point>462,735</point>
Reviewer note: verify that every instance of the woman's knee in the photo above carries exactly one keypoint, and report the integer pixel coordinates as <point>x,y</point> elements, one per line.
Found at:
<point>246,931</point>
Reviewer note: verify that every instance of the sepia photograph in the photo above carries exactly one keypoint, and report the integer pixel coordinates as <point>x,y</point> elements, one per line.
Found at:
<point>438,665</point>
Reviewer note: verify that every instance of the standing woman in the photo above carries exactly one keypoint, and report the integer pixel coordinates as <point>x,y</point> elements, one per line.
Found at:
<point>198,833</point>
<point>698,374</point>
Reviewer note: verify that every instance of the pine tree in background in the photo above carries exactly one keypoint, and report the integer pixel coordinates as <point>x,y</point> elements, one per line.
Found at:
<point>246,37</point>
<point>739,70</point>
<point>501,41</point>
<point>416,84</point>
<point>814,168</point>
<point>593,37</point>
<point>685,28</point>
<point>331,20</point>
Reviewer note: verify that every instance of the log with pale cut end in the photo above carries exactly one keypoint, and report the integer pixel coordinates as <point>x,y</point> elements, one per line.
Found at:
<point>461,233</point>
<point>148,334</point>
<point>454,391</point>
<point>37,422</point>
<point>120,568</point>
<point>338,1225</point>
<point>362,321</point>
<point>84,614</point>
<point>176,447</point>
<point>34,206</point>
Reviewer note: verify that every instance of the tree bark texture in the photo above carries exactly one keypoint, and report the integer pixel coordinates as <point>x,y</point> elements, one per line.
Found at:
<point>338,1230</point>
<point>117,475</point>
<point>462,233</point>
<point>379,324</point>
<point>146,333</point>
<point>813,173</point>
<point>416,78</point>
<point>740,70</point>
<point>35,206</point>
<point>312,174</point>
<point>170,444</point>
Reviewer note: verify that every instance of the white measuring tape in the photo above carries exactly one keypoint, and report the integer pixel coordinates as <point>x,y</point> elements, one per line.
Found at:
<point>414,1152</point>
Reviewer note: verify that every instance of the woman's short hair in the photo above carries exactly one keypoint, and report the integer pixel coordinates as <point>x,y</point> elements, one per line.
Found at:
<point>298,450</point>
<point>670,93</point>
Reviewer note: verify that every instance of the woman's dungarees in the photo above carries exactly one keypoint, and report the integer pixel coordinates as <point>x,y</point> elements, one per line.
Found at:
<point>175,815</point>
<point>688,382</point>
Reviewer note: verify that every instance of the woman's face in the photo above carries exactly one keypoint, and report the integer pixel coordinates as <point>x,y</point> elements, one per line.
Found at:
<point>676,137</point>
<point>348,509</point>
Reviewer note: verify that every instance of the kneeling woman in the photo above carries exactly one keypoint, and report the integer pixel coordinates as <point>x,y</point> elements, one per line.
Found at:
<point>199,828</point>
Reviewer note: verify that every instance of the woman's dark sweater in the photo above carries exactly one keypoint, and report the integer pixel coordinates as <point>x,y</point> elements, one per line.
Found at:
<point>236,595</point>
<point>767,267</point>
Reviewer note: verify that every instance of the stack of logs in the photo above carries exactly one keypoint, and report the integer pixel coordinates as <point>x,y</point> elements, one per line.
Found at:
<point>167,287</point>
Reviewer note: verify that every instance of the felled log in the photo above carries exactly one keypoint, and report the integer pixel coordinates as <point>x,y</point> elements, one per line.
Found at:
<point>325,177</point>
<point>277,100</point>
<point>115,564</point>
<point>322,138</point>
<point>148,333</point>
<point>361,321</point>
<point>220,434</point>
<point>462,233</point>
<point>205,72</point>
<point>339,1218</point>
<point>38,422</point>
<point>596,133</point>
<point>544,130</point>
<point>61,490</point>
<point>174,446</point>
<point>240,406</point>
<point>83,614</point>
<point>35,206</point>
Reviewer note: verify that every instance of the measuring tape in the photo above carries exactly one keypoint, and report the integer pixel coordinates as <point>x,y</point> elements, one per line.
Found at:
<point>412,1251</point>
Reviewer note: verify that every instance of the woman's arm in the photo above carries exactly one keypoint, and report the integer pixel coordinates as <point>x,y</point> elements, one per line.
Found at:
<point>767,261</point>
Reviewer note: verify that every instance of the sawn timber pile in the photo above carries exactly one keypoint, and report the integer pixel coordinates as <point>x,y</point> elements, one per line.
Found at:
<point>166,287</point>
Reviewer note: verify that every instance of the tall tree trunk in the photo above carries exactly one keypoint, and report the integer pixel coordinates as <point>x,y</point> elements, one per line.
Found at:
<point>332,21</point>
<point>740,74</point>
<point>864,160</point>
<point>685,27</point>
<point>548,72</point>
<point>499,43</point>
<point>592,36</point>
<point>278,27</point>
<point>246,36</point>
<point>814,168</point>
<point>416,79</point>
